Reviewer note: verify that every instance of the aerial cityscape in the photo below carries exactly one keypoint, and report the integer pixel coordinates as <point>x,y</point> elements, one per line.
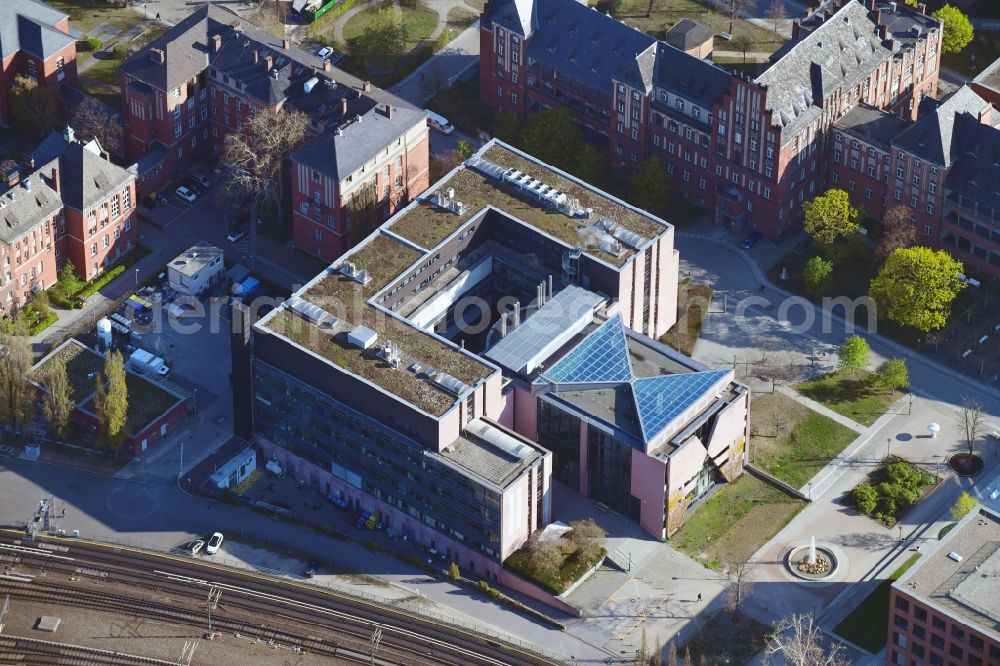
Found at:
<point>480,332</point>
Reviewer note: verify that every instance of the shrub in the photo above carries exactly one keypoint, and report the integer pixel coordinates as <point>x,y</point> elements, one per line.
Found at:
<point>453,571</point>
<point>121,52</point>
<point>89,44</point>
<point>609,6</point>
<point>483,585</point>
<point>865,498</point>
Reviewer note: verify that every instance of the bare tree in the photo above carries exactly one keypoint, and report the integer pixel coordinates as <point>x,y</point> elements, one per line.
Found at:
<point>740,585</point>
<point>256,153</point>
<point>93,120</point>
<point>742,43</point>
<point>776,12</point>
<point>588,537</point>
<point>15,364</point>
<point>779,421</point>
<point>732,9</point>
<point>973,421</point>
<point>897,232</point>
<point>672,653</point>
<point>546,555</point>
<point>799,641</point>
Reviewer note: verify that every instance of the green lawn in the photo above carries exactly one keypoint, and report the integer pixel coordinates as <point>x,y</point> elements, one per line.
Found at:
<point>868,623</point>
<point>419,21</point>
<point>735,522</point>
<point>984,49</point>
<point>668,12</point>
<point>693,299</point>
<point>459,19</point>
<point>791,441</point>
<point>572,568</point>
<point>850,395</point>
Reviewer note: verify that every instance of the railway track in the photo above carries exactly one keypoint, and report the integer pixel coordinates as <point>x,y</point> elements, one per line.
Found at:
<point>406,636</point>
<point>33,652</point>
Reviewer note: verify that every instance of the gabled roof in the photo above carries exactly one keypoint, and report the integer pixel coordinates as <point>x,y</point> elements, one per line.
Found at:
<point>692,78</point>
<point>518,16</point>
<point>976,169</point>
<point>340,152</point>
<point>931,137</point>
<point>25,205</point>
<point>85,175</point>
<point>688,34</point>
<point>602,362</point>
<point>30,25</point>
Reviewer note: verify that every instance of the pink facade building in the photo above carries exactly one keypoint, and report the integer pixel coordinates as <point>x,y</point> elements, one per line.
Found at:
<point>494,334</point>
<point>945,610</point>
<point>751,149</point>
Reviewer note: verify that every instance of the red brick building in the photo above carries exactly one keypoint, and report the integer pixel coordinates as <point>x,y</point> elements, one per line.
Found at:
<point>751,149</point>
<point>944,610</point>
<point>34,42</point>
<point>186,92</point>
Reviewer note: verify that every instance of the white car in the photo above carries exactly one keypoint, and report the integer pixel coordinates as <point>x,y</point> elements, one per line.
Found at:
<point>325,52</point>
<point>186,194</point>
<point>196,546</point>
<point>213,544</point>
<point>234,236</point>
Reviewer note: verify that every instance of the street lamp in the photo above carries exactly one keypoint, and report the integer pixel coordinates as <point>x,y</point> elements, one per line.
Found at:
<point>137,277</point>
<point>809,491</point>
<point>888,443</point>
<point>900,533</point>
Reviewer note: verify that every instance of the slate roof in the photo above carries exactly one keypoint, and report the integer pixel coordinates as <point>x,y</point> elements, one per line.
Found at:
<point>342,151</point>
<point>29,25</point>
<point>22,208</point>
<point>930,138</point>
<point>839,53</point>
<point>976,171</point>
<point>873,125</point>
<point>518,16</point>
<point>695,79</point>
<point>85,175</point>
<point>688,34</point>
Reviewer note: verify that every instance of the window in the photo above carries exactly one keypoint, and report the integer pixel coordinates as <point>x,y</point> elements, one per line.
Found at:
<point>902,604</point>
<point>957,633</point>
<point>513,98</point>
<point>118,233</point>
<point>975,642</point>
<point>937,622</point>
<point>180,152</point>
<point>635,135</point>
<point>177,130</point>
<point>93,249</point>
<point>513,77</point>
<point>32,69</point>
<point>318,233</point>
<point>913,201</point>
<point>499,91</point>
<point>919,632</point>
<point>937,641</point>
<point>767,193</point>
<point>107,241</point>
<point>60,64</point>
<point>115,208</point>
<point>868,193</point>
<point>696,112</point>
<point>127,198</point>
<point>835,177</point>
<point>680,104</point>
<point>955,651</point>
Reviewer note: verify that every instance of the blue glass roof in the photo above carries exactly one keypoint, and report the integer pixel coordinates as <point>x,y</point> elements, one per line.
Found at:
<point>661,399</point>
<point>601,357</point>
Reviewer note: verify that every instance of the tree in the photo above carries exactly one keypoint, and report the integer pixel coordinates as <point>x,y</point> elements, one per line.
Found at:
<point>893,376</point>
<point>957,29</point>
<point>732,8</point>
<point>829,217</point>
<point>651,187</point>
<point>742,43</point>
<point>507,128</point>
<point>799,641</point>
<point>553,136</point>
<point>853,354</point>
<point>453,571</point>
<point>15,364</point>
<point>916,286</point>
<point>963,505</point>
<point>589,164</point>
<point>672,653</point>
<point>818,274</point>
<point>111,401</point>
<point>255,155</point>
<point>865,498</point>
<point>40,303</point>
<point>588,537</point>
<point>36,109</point>
<point>973,422</point>
<point>93,120</point>
<point>382,41</point>
<point>546,556</point>
<point>740,573</point>
<point>57,402</point>
<point>464,149</point>
<point>897,232</point>
<point>776,12</point>
<point>363,213</point>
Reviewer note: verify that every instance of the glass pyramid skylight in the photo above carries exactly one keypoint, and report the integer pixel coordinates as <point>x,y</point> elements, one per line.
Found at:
<point>601,357</point>
<point>662,399</point>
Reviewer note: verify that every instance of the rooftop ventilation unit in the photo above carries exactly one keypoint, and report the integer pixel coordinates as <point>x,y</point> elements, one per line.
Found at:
<point>362,337</point>
<point>629,238</point>
<point>310,84</point>
<point>450,384</point>
<point>350,271</point>
<point>311,313</point>
<point>446,199</point>
<point>390,354</point>
<point>498,438</point>
<point>526,184</point>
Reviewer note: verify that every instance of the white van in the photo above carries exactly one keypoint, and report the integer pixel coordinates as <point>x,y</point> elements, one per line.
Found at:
<point>439,122</point>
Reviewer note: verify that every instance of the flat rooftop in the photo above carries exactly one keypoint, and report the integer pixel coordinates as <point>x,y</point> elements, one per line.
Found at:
<point>968,590</point>
<point>488,453</point>
<point>196,258</point>
<point>990,77</point>
<point>428,371</point>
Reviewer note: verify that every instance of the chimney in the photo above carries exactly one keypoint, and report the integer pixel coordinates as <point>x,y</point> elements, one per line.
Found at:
<point>871,5</point>
<point>158,56</point>
<point>878,17</point>
<point>796,28</point>
<point>343,107</point>
<point>922,8</point>
<point>388,110</point>
<point>216,43</point>
<point>285,43</point>
<point>55,179</point>
<point>236,25</point>
<point>367,86</point>
<point>268,62</point>
<point>880,31</point>
<point>256,56</point>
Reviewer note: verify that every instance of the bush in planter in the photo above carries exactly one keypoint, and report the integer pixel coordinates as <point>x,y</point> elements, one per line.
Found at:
<point>865,498</point>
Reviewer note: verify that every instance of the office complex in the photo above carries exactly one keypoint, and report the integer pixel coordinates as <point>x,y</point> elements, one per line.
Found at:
<point>35,42</point>
<point>946,608</point>
<point>750,149</point>
<point>491,332</point>
<point>188,90</point>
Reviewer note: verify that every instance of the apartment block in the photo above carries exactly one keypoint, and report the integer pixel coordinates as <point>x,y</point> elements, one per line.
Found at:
<point>945,610</point>
<point>751,149</point>
<point>494,332</point>
<point>188,91</point>
<point>34,42</point>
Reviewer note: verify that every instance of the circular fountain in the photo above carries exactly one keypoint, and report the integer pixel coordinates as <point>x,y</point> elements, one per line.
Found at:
<point>811,562</point>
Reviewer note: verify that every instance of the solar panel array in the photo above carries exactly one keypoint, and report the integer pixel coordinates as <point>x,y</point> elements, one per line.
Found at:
<point>662,399</point>
<point>601,357</point>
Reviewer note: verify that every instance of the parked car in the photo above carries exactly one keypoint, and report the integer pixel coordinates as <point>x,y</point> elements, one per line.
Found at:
<point>750,240</point>
<point>338,499</point>
<point>192,185</point>
<point>213,543</point>
<point>362,519</point>
<point>438,122</point>
<point>325,52</point>
<point>201,179</point>
<point>234,235</point>
<point>6,450</point>
<point>196,546</point>
<point>186,194</point>
<point>336,57</point>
